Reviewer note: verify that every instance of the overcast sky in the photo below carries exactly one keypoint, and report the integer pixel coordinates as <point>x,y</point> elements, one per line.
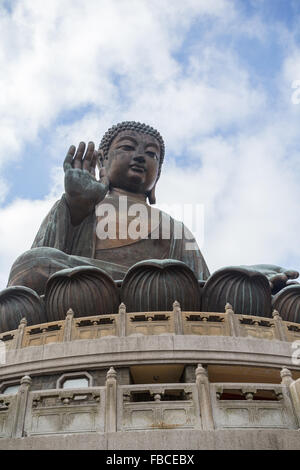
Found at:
<point>214,77</point>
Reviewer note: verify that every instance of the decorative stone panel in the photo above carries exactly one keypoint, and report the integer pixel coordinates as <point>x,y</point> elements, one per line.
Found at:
<point>65,411</point>
<point>150,323</point>
<point>249,411</point>
<point>158,412</point>
<point>7,414</point>
<point>46,333</point>
<point>205,324</point>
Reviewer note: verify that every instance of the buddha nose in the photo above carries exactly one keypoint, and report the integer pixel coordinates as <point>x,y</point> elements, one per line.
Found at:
<point>139,158</point>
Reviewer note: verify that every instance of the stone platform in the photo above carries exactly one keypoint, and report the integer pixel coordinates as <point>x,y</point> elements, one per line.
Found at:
<point>154,380</point>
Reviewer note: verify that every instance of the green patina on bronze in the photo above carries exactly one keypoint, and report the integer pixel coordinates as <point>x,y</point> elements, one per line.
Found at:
<point>129,158</point>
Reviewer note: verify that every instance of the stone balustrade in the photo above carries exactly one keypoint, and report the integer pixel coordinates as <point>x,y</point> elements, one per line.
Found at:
<point>152,323</point>
<point>161,406</point>
<point>65,411</point>
<point>252,406</point>
<point>116,408</point>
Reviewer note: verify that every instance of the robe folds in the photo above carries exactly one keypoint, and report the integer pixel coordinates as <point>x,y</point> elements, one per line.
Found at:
<point>57,232</point>
<point>79,246</point>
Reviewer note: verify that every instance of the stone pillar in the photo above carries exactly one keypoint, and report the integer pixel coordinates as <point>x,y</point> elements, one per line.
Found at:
<point>111,401</point>
<point>286,377</point>
<point>68,325</point>
<point>178,324</point>
<point>233,321</point>
<point>295,394</point>
<point>203,388</point>
<point>279,326</point>
<point>122,320</point>
<point>20,333</point>
<point>21,405</point>
<point>189,373</point>
<point>290,395</point>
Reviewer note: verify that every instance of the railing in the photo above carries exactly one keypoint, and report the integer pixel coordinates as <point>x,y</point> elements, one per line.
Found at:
<point>201,323</point>
<point>113,407</point>
<point>252,406</point>
<point>65,411</point>
<point>292,331</point>
<point>256,327</point>
<point>7,415</point>
<point>158,407</point>
<point>94,327</point>
<point>44,333</point>
<point>152,323</point>
<point>9,338</point>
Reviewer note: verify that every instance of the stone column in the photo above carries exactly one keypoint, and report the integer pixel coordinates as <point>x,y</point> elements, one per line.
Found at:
<point>68,325</point>
<point>295,394</point>
<point>233,321</point>
<point>279,326</point>
<point>21,405</point>
<point>290,394</point>
<point>20,333</point>
<point>122,320</point>
<point>189,373</point>
<point>178,323</point>
<point>286,377</point>
<point>203,388</point>
<point>294,388</point>
<point>111,401</point>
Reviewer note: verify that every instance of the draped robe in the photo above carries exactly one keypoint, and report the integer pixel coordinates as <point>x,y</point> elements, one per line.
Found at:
<point>60,245</point>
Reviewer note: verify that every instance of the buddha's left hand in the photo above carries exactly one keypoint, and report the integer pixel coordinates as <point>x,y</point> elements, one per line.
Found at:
<point>278,277</point>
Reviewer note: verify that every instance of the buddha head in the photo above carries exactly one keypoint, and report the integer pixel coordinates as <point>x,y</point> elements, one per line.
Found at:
<point>132,154</point>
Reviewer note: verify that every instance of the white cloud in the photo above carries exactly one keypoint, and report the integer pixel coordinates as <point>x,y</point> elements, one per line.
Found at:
<point>59,58</point>
<point>20,222</point>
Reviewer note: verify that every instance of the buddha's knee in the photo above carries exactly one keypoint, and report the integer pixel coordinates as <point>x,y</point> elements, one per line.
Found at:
<point>34,267</point>
<point>36,256</point>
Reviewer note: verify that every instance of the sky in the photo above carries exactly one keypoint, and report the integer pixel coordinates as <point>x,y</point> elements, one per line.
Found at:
<point>219,79</point>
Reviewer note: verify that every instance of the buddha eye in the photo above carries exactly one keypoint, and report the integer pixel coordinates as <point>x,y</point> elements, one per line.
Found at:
<point>127,148</point>
<point>152,154</point>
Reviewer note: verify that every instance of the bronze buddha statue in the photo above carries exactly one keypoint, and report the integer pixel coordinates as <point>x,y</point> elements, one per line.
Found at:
<point>129,159</point>
<point>130,155</point>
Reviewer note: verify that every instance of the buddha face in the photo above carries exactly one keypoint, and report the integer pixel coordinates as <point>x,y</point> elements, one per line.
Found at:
<point>132,161</point>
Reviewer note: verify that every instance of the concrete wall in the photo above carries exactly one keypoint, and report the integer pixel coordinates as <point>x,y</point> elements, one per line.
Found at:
<point>131,350</point>
<point>162,439</point>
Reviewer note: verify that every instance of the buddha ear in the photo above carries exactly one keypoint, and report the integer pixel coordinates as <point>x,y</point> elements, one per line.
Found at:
<point>151,196</point>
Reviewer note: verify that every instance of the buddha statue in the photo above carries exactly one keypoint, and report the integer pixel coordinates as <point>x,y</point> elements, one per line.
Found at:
<point>72,240</point>
<point>130,157</point>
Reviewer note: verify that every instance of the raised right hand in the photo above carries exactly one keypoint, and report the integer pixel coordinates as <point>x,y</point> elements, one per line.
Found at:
<point>83,191</point>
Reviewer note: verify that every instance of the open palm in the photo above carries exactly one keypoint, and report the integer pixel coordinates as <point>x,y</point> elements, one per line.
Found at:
<point>83,190</point>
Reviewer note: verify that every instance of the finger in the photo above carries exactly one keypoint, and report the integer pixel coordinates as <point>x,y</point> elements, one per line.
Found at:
<point>292,283</point>
<point>103,178</point>
<point>78,156</point>
<point>93,164</point>
<point>88,156</point>
<point>279,280</point>
<point>291,274</point>
<point>69,158</point>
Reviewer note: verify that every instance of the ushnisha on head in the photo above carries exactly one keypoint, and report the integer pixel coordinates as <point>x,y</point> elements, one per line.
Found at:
<point>114,151</point>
